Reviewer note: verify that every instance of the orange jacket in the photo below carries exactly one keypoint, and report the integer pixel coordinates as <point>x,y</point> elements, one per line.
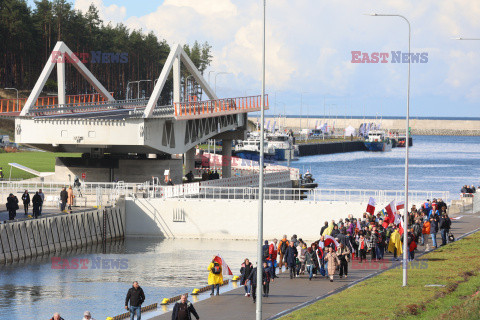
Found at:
<point>426,228</point>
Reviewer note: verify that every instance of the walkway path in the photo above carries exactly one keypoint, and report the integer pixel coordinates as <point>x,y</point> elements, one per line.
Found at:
<point>288,293</point>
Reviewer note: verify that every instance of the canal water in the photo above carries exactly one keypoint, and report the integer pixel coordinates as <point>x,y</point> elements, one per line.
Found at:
<point>37,288</point>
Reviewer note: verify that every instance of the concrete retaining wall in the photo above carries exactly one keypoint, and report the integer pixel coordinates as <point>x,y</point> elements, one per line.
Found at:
<point>30,238</point>
<point>232,219</point>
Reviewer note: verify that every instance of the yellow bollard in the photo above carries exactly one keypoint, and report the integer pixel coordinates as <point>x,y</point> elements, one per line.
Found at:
<point>235,278</point>
<point>195,291</point>
<point>164,301</point>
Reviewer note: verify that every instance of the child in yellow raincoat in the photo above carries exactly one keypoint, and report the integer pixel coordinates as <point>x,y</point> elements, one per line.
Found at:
<point>215,277</point>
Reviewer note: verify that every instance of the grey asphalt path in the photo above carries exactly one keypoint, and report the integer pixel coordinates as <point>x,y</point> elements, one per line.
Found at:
<point>286,293</point>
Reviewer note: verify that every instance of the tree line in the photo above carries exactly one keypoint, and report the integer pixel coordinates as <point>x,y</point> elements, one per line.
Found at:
<point>28,36</point>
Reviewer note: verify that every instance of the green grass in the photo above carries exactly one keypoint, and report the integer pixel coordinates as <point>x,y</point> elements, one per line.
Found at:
<point>40,161</point>
<point>456,265</point>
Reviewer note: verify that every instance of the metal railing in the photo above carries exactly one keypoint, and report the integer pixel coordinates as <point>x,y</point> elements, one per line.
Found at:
<point>329,195</point>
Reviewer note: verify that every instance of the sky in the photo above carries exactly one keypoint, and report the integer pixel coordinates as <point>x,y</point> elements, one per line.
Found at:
<point>309,46</point>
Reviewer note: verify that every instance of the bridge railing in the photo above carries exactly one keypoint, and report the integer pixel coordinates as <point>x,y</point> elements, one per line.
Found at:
<point>315,195</point>
<point>209,107</point>
<point>15,105</point>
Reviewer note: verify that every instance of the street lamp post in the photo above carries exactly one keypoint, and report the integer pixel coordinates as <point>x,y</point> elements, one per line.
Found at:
<point>301,107</point>
<point>17,93</point>
<point>260,187</point>
<point>216,79</point>
<point>407,140</point>
<point>209,75</point>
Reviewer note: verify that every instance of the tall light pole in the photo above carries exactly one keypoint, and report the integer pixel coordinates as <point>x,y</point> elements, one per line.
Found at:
<point>17,93</point>
<point>301,107</point>
<point>407,140</point>
<point>209,75</point>
<point>216,79</point>
<point>260,187</point>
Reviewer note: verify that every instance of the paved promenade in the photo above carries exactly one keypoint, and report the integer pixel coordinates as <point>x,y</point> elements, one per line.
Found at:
<point>286,293</point>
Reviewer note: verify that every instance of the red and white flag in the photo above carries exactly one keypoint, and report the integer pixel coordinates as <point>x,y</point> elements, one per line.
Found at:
<point>225,268</point>
<point>329,240</point>
<point>400,205</point>
<point>390,208</point>
<point>371,206</point>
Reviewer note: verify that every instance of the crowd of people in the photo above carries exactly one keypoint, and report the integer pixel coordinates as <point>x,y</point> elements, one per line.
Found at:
<point>468,189</point>
<point>365,239</point>
<point>36,202</point>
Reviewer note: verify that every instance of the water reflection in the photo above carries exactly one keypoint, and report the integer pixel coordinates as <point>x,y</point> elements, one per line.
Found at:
<point>36,288</point>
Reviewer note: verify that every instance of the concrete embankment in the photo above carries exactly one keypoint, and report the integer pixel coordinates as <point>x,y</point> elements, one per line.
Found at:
<point>36,237</point>
<point>431,127</point>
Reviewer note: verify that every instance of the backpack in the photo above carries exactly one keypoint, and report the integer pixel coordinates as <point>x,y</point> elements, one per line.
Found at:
<point>217,269</point>
<point>283,247</point>
<point>265,252</point>
<point>451,238</point>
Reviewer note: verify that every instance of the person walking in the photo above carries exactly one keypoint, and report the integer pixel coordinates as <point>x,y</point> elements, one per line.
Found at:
<point>266,276</point>
<point>301,249</point>
<point>445,224</point>
<point>362,245</point>
<point>12,206</point>
<point>291,259</point>
<point>87,316</point>
<point>215,276</point>
<point>425,232</point>
<point>343,254</point>
<point>184,309</point>
<point>245,271</point>
<point>40,193</point>
<point>273,250</point>
<point>135,296</point>
<point>309,264</point>
<point>434,219</point>
<point>70,198</point>
<point>332,259</point>
<point>26,201</point>
<point>63,199</point>
<point>282,248</point>
<point>37,204</point>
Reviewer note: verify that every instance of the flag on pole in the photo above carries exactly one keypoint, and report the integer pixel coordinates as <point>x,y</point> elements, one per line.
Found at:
<point>400,227</point>
<point>371,206</point>
<point>398,219</point>
<point>331,240</point>
<point>358,225</point>
<point>390,208</point>
<point>400,205</point>
<point>225,268</point>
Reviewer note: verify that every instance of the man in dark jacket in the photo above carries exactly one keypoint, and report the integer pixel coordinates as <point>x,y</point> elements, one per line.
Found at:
<point>444,223</point>
<point>291,259</point>
<point>26,201</point>
<point>323,228</point>
<point>63,199</point>
<point>183,310</point>
<point>12,206</point>
<point>136,297</point>
<point>253,280</point>
<point>37,203</point>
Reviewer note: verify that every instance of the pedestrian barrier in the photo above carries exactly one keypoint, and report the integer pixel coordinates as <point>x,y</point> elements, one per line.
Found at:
<point>126,315</point>
<point>206,288</point>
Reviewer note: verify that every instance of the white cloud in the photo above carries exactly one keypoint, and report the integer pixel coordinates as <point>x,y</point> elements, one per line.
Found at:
<point>309,43</point>
<point>111,13</point>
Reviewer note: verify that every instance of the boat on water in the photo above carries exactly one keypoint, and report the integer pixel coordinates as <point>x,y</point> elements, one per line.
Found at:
<point>285,149</point>
<point>377,140</point>
<point>250,149</point>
